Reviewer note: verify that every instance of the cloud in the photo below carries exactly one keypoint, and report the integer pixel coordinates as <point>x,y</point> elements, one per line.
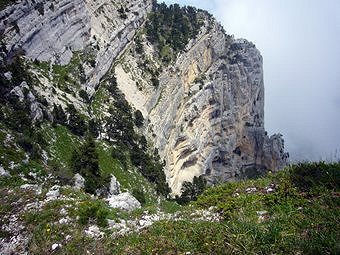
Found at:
<point>299,41</point>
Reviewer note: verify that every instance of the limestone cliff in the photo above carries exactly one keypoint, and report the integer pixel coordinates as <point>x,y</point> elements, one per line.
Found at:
<point>206,117</point>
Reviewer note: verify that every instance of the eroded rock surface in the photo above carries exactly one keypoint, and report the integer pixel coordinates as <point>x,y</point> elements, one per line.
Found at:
<point>207,116</point>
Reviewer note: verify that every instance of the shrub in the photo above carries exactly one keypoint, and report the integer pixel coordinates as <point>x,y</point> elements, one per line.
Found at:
<point>83,94</point>
<point>94,128</point>
<point>59,116</point>
<point>307,176</point>
<point>95,211</point>
<point>139,195</point>
<point>139,119</point>
<point>119,154</point>
<point>172,27</point>
<point>76,122</point>
<point>155,82</point>
<point>191,190</point>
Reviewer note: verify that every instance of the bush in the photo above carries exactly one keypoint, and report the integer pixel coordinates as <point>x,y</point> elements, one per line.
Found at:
<point>119,154</point>
<point>94,128</point>
<point>93,211</point>
<point>76,122</point>
<point>83,94</point>
<point>172,26</point>
<point>29,146</point>
<point>155,82</point>
<point>151,168</point>
<point>307,176</point>
<point>59,116</point>
<point>139,195</point>
<point>139,119</point>
<point>190,191</point>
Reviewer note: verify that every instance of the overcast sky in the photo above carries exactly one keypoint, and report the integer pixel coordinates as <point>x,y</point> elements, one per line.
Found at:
<point>300,44</point>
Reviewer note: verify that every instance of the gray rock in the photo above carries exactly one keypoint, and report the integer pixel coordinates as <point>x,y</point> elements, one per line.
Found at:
<point>69,26</point>
<point>79,182</point>
<point>94,232</point>
<point>18,91</point>
<point>53,193</point>
<point>213,128</point>
<point>4,173</point>
<point>34,187</point>
<point>218,130</point>
<point>56,246</point>
<point>124,201</point>
<point>114,186</point>
<point>8,75</point>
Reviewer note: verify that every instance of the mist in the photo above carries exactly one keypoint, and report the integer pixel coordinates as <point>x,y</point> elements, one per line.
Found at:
<point>300,44</point>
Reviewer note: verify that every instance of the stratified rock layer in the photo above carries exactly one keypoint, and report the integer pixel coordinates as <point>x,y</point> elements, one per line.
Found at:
<point>207,115</point>
<point>54,30</point>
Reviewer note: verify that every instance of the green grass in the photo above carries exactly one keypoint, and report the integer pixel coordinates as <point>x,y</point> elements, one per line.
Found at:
<point>300,217</point>
<point>9,152</point>
<point>129,178</point>
<point>61,142</point>
<point>168,237</point>
<point>100,97</point>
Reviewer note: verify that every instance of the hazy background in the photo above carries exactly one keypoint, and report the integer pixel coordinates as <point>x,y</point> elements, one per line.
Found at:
<point>300,44</point>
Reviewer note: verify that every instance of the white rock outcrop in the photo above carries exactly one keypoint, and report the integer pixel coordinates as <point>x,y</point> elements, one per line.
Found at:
<point>53,31</point>
<point>207,115</point>
<point>79,182</point>
<point>124,201</point>
<point>94,232</point>
<point>114,186</point>
<point>4,173</point>
<point>53,193</point>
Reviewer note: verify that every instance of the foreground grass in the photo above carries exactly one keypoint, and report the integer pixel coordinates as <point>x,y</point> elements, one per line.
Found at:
<point>300,215</point>
<point>296,211</point>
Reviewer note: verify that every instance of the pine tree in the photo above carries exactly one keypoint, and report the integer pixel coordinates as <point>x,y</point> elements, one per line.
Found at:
<point>85,161</point>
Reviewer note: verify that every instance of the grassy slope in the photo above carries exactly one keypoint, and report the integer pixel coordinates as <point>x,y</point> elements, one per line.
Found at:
<point>300,217</point>
<point>62,143</point>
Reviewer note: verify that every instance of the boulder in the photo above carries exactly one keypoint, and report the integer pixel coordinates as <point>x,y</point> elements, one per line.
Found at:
<point>79,182</point>
<point>124,201</point>
<point>114,186</point>
<point>53,193</point>
<point>94,232</point>
<point>4,173</point>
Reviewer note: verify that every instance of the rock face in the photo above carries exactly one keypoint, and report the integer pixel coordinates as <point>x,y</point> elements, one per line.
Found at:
<point>216,130</point>
<point>46,30</point>
<point>52,31</point>
<point>207,115</point>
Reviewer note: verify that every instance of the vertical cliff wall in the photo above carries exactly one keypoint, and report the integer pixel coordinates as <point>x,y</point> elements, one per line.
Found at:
<point>207,116</point>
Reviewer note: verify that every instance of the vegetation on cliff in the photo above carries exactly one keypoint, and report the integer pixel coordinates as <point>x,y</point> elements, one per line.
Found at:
<point>171,27</point>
